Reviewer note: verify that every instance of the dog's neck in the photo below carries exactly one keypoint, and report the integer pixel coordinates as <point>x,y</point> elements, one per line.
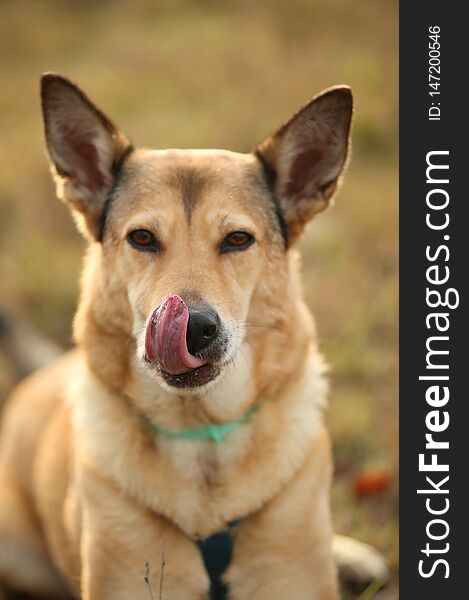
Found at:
<point>259,372</point>
<point>220,482</point>
<point>215,432</point>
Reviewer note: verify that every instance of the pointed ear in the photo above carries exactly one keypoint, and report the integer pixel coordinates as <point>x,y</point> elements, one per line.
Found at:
<point>85,148</point>
<point>304,159</point>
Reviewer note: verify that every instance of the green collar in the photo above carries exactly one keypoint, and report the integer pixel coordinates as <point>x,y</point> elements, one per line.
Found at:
<point>214,432</point>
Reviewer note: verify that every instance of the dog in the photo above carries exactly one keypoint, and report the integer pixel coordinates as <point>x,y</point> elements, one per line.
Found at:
<point>180,447</point>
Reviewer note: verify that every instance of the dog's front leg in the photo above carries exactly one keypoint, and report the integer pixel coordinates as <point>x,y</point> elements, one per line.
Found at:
<point>129,553</point>
<point>285,549</point>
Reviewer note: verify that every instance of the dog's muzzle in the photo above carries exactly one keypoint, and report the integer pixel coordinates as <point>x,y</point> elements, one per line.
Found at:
<point>176,338</point>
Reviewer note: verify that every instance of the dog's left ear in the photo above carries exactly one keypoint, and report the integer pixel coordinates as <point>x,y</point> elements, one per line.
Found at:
<point>304,159</point>
<point>85,148</point>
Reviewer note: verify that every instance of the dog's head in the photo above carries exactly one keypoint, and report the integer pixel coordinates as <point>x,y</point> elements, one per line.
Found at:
<point>188,244</point>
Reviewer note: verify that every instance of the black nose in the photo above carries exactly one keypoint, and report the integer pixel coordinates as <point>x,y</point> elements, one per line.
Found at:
<point>202,328</point>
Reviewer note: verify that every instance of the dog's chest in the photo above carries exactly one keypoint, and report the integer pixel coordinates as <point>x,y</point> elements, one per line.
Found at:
<point>207,461</point>
<point>208,465</point>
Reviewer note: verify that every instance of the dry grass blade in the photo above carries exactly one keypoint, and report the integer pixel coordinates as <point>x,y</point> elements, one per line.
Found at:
<point>146,578</point>
<point>162,572</point>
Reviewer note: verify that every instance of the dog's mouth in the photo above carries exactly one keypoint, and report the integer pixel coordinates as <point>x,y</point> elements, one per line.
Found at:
<point>195,378</point>
<point>166,347</point>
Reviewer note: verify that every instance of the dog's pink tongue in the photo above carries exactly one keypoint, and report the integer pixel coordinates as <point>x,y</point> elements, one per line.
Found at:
<point>165,338</point>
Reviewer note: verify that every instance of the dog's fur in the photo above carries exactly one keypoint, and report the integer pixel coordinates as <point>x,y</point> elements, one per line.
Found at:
<point>88,492</point>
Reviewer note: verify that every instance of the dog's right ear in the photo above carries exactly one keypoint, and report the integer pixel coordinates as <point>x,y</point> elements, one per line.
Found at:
<point>85,148</point>
<point>305,158</point>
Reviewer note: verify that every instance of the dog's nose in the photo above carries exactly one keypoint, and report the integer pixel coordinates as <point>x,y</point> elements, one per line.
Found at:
<point>202,328</point>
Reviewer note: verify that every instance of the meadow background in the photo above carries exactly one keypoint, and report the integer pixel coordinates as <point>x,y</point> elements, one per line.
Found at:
<point>176,73</point>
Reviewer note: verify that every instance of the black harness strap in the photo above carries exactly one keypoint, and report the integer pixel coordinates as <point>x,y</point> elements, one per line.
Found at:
<point>217,551</point>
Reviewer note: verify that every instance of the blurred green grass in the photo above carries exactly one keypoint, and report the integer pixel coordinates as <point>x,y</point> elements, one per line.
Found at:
<point>224,74</point>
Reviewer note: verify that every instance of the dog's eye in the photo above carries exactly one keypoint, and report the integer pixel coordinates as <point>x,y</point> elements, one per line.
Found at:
<point>142,239</point>
<point>237,240</point>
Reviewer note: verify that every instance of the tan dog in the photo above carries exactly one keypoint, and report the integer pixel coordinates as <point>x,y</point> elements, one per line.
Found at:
<point>195,395</point>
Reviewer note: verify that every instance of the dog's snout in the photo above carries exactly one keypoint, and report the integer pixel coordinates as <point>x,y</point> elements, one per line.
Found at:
<point>202,328</point>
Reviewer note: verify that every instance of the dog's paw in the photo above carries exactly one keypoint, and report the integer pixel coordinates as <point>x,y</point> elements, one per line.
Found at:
<point>359,564</point>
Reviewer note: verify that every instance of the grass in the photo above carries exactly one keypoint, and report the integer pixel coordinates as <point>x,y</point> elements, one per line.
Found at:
<point>212,74</point>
